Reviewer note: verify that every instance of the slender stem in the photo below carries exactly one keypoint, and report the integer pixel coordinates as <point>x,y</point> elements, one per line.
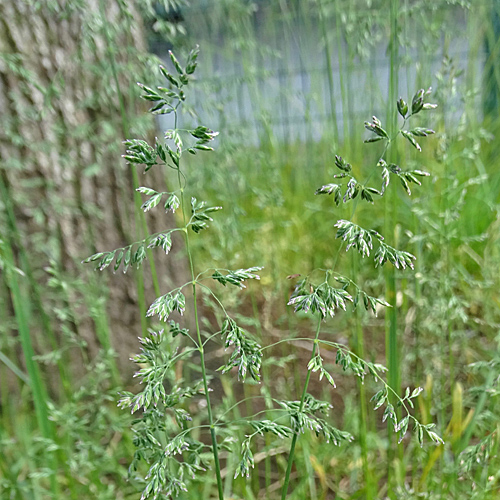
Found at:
<point>329,70</point>
<point>15,236</point>
<point>201,344</point>
<point>343,91</point>
<point>205,381</point>
<point>241,401</point>
<point>204,374</point>
<point>295,339</point>
<point>38,389</point>
<point>391,339</point>
<point>284,491</point>
<point>358,344</point>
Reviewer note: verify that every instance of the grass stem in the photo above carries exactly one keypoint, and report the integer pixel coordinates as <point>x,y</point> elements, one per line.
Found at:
<point>284,490</point>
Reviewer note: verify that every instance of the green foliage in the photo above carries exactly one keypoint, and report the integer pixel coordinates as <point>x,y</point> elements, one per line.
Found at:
<point>447,309</point>
<point>167,474</point>
<point>323,300</point>
<point>247,355</point>
<point>237,277</point>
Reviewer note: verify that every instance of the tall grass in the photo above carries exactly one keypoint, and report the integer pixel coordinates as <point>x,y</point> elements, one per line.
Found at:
<point>445,318</point>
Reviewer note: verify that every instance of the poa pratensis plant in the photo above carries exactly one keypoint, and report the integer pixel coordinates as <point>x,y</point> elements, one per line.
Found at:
<point>324,297</point>
<point>165,435</point>
<point>173,459</point>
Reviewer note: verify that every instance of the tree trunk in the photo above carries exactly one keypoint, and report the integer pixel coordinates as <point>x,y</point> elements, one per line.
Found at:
<point>68,73</point>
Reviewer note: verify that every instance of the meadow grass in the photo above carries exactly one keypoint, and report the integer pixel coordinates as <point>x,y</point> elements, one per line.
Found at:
<point>447,312</point>
<point>439,333</point>
<point>277,217</point>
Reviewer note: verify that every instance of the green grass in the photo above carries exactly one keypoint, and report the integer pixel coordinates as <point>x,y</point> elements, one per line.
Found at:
<point>70,440</point>
<point>435,296</point>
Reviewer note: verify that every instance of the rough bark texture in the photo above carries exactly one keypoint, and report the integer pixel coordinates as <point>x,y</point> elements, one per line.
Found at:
<point>60,147</point>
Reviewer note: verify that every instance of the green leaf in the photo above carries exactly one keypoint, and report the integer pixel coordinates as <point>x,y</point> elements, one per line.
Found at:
<point>373,139</point>
<point>247,461</point>
<point>435,437</point>
<point>140,151</point>
<point>139,256</point>
<point>237,277</point>
<point>342,164</point>
<point>385,179</point>
<point>175,329</point>
<point>119,259</point>
<point>398,258</point>
<point>420,173</point>
<point>149,94</point>
<point>217,276</point>
<point>106,261</point>
<point>177,140</point>
<point>315,364</point>
<point>247,354</point>
<point>420,435</point>
<point>191,60</point>
<point>202,147</point>
<point>356,236</point>
<point>376,127</point>
<point>174,155</point>
<point>161,240</point>
<point>200,217</point>
<point>329,189</point>
<point>416,392</point>
<point>160,150</point>
<point>352,190</point>
<point>164,306</point>
<point>204,134</point>
<point>329,378</point>
<point>366,194</point>
<point>389,413</point>
<point>323,298</point>
<point>405,184</point>
<point>127,258</point>
<point>93,258</point>
<point>402,428</point>
<point>262,426</point>
<point>379,398</point>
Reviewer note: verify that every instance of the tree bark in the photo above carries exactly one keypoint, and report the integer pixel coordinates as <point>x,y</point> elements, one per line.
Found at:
<point>68,73</point>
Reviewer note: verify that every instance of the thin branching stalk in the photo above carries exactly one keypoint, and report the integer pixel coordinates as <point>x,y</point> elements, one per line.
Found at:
<point>391,318</point>
<point>323,299</point>
<point>291,453</point>
<point>201,349</point>
<point>328,61</point>
<point>166,473</point>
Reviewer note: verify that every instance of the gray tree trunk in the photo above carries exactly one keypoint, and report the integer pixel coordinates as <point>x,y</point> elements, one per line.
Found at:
<point>63,124</point>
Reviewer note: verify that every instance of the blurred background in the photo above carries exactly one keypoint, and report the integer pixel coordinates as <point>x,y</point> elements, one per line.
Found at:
<point>288,84</point>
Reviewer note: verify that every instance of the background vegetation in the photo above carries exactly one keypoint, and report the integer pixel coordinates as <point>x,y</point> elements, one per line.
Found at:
<point>287,84</point>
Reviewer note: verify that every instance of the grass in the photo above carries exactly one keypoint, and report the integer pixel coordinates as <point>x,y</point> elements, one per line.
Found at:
<point>426,289</point>
<point>447,311</point>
